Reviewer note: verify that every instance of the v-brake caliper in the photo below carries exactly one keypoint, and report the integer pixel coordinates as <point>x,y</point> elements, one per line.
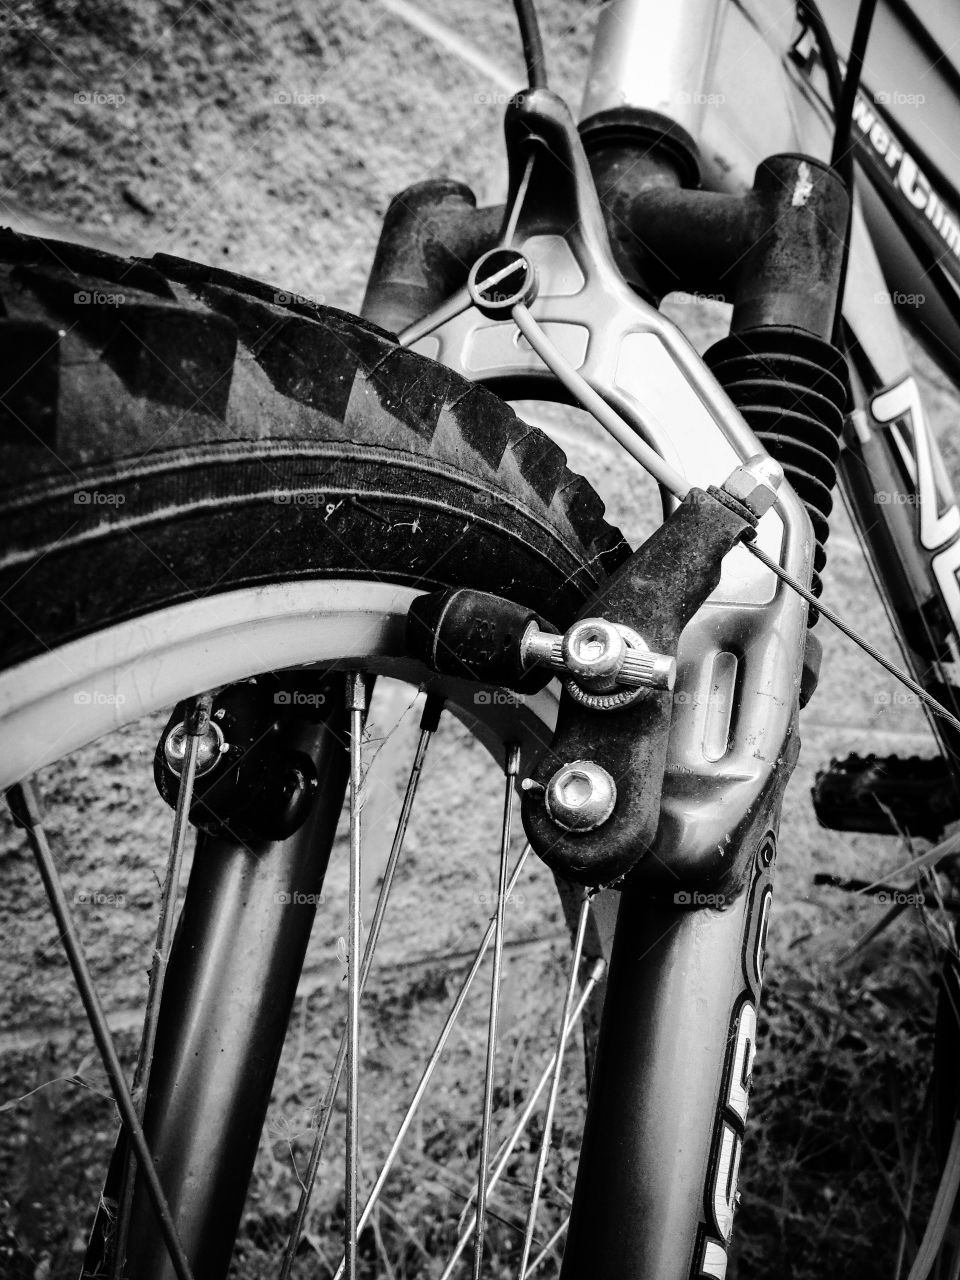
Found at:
<point>679,712</point>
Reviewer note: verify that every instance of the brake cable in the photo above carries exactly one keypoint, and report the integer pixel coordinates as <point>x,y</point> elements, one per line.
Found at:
<point>671,480</point>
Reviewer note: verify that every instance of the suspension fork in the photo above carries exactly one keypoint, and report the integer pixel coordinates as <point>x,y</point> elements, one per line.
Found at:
<point>657,1180</point>
<point>228,994</point>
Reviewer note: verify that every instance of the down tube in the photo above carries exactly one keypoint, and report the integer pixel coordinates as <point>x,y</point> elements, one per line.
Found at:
<point>656,1186</point>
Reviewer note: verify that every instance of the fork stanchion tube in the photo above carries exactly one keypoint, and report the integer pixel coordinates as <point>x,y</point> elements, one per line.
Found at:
<point>647,52</point>
<point>229,990</point>
<point>656,1185</point>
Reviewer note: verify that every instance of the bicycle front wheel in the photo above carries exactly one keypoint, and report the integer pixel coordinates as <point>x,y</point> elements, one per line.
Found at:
<point>207,482</point>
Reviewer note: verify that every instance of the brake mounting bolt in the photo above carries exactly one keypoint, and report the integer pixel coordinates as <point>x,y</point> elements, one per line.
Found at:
<point>210,747</point>
<point>581,796</point>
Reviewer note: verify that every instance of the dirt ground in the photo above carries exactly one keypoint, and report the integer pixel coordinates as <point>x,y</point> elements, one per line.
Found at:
<point>270,137</point>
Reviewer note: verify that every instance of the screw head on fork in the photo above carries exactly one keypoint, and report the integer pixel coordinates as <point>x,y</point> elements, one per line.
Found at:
<point>209,749</point>
<point>581,796</point>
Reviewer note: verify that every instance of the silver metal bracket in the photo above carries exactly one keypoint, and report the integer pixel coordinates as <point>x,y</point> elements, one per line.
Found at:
<point>740,658</point>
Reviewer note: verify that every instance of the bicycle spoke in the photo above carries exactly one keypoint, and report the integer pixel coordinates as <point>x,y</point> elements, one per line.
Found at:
<point>547,1249</point>
<point>544,1152</point>
<point>196,720</point>
<point>435,1056</point>
<point>25,808</point>
<point>356,702</point>
<point>510,770</point>
<point>428,726</point>
<point>508,1145</point>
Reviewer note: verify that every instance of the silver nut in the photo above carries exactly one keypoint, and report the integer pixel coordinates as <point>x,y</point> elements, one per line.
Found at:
<point>209,748</point>
<point>594,652</point>
<point>581,796</point>
<point>755,483</point>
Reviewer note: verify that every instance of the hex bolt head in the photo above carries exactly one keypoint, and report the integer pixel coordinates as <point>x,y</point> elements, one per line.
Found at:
<point>594,651</point>
<point>755,483</point>
<point>581,796</point>
<point>209,750</point>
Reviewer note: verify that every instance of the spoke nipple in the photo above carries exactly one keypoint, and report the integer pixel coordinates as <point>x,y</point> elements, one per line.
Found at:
<point>356,691</point>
